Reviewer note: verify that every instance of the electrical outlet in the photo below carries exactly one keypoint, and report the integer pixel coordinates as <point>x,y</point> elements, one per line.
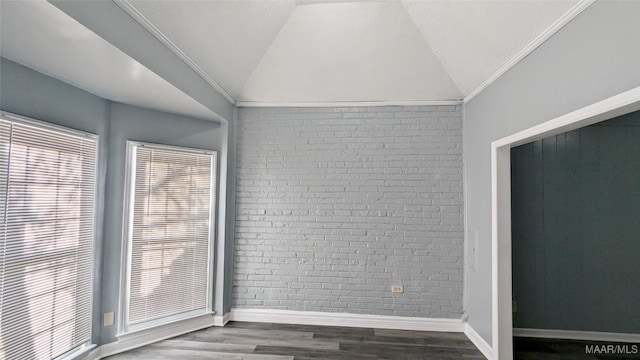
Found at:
<point>107,319</point>
<point>397,288</point>
<point>472,249</point>
<point>514,306</point>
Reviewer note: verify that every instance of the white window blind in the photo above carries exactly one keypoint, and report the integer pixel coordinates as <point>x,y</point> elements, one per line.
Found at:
<point>47,194</point>
<point>169,269</point>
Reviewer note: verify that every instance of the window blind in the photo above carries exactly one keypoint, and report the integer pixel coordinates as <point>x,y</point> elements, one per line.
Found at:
<point>47,194</point>
<point>170,233</point>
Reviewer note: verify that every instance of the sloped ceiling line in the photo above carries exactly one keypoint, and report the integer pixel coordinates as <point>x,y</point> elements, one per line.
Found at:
<point>132,11</point>
<point>263,55</point>
<point>435,54</point>
<point>539,40</point>
<point>349,51</point>
<point>138,16</point>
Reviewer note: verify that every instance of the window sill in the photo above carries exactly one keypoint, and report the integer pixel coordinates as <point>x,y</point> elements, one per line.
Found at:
<point>170,329</point>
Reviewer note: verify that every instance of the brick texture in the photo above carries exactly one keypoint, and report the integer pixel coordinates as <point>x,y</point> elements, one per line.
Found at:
<point>336,205</point>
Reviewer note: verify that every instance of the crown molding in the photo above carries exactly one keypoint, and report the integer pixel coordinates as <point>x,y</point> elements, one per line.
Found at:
<point>348,103</point>
<point>539,40</point>
<point>132,11</point>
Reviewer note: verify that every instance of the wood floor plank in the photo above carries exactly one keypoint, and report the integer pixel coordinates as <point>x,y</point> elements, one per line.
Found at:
<point>420,334</point>
<point>299,344</point>
<point>266,341</point>
<point>202,336</point>
<point>401,351</point>
<point>204,346</point>
<point>248,325</point>
<point>339,330</point>
<point>260,334</point>
<point>151,354</point>
<point>304,354</point>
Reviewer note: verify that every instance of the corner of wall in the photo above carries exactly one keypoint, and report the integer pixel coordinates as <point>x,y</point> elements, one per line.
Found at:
<point>478,341</point>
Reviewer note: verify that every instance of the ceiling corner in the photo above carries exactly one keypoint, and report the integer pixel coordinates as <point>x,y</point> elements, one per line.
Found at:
<point>132,11</point>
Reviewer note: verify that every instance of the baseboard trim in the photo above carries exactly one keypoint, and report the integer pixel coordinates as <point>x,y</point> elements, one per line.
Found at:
<point>221,320</point>
<point>478,341</point>
<point>151,336</point>
<point>346,319</point>
<point>577,335</point>
<point>294,317</point>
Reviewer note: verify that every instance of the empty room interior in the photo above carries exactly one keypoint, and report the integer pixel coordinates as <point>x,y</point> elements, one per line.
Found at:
<point>319,179</point>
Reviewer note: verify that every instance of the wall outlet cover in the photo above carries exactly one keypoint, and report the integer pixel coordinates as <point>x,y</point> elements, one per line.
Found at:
<point>108,319</point>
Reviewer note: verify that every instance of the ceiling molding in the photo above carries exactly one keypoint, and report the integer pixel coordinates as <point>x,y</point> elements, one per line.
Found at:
<point>539,40</point>
<point>348,103</point>
<point>132,11</point>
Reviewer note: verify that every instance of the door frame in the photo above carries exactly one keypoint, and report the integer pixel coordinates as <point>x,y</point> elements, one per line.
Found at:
<point>502,317</point>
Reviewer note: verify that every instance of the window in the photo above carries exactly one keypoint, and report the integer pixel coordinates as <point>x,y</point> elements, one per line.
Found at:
<point>47,195</point>
<point>168,270</point>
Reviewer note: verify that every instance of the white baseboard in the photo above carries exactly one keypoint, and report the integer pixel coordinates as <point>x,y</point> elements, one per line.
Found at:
<point>221,320</point>
<point>478,341</point>
<point>292,317</point>
<point>577,335</point>
<point>143,338</point>
<point>93,355</point>
<point>346,319</point>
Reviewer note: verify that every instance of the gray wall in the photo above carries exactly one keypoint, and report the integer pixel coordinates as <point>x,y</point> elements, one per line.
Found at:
<point>134,123</point>
<point>575,202</point>
<point>29,93</point>
<point>230,216</point>
<point>335,205</point>
<point>592,58</point>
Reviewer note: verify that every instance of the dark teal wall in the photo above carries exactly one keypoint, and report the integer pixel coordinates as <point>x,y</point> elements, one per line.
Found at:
<point>576,229</point>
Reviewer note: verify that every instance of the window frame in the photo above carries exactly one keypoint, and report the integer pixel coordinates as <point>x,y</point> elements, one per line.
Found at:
<point>124,328</point>
<point>49,126</point>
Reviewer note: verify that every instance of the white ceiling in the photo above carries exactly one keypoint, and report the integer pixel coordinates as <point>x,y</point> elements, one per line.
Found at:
<point>349,52</point>
<point>225,38</point>
<point>334,51</point>
<point>268,52</point>
<point>40,36</point>
<point>473,39</point>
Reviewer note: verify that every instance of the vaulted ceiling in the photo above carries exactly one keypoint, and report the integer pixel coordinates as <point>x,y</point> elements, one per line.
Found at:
<point>328,51</point>
<point>269,52</point>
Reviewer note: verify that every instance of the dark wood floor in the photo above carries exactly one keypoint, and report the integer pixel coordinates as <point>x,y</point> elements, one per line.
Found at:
<point>550,349</point>
<point>261,341</point>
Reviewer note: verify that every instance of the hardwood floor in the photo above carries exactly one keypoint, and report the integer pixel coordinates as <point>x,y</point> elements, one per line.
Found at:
<point>262,341</point>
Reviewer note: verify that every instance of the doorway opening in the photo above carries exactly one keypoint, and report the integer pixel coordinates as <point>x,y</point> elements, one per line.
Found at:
<point>502,318</point>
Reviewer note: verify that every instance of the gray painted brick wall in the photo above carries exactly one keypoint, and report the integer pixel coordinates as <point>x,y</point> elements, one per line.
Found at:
<point>335,205</point>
